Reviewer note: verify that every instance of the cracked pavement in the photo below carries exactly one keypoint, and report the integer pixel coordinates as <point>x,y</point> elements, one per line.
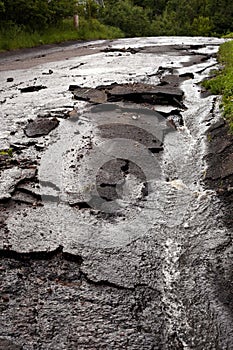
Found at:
<point>112,235</point>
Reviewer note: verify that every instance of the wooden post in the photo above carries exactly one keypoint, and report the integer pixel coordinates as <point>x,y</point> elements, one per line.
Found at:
<point>76,21</point>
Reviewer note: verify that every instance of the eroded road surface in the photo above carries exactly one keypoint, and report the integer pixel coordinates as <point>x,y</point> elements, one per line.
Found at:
<point>111,235</point>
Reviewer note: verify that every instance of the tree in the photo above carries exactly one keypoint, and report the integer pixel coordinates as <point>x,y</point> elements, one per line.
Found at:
<point>221,12</point>
<point>132,20</point>
<point>2,7</point>
<point>155,6</point>
<point>36,14</point>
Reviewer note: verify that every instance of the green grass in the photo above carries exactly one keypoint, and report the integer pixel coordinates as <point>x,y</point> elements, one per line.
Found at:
<point>222,84</point>
<point>228,36</point>
<point>16,37</point>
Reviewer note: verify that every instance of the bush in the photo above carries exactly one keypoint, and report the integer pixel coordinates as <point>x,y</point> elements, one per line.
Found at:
<point>95,30</point>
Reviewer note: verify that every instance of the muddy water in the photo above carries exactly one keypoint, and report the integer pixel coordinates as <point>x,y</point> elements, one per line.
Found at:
<point>109,238</point>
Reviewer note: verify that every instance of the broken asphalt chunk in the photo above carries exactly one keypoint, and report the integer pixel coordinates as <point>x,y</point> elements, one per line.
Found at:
<point>33,88</point>
<point>137,92</point>
<point>10,178</point>
<point>48,73</point>
<point>40,127</point>
<point>140,93</point>
<point>133,132</point>
<point>89,94</point>
<point>123,50</point>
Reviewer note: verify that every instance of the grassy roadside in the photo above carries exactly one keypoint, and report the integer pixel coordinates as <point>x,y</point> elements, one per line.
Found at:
<point>16,37</point>
<point>222,84</point>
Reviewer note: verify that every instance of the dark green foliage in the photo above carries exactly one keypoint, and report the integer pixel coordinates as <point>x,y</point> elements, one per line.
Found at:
<point>2,7</point>
<point>132,20</point>
<point>172,17</point>
<point>35,14</point>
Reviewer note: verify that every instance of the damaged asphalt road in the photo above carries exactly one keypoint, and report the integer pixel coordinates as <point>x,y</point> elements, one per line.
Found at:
<point>115,220</point>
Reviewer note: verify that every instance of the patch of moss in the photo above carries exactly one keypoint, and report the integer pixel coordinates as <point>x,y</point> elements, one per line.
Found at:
<point>6,152</point>
<point>209,137</point>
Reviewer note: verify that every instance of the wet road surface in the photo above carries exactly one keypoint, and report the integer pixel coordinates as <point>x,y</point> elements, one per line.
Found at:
<point>110,238</point>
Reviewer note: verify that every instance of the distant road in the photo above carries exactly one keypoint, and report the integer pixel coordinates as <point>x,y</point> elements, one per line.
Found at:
<point>30,57</point>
